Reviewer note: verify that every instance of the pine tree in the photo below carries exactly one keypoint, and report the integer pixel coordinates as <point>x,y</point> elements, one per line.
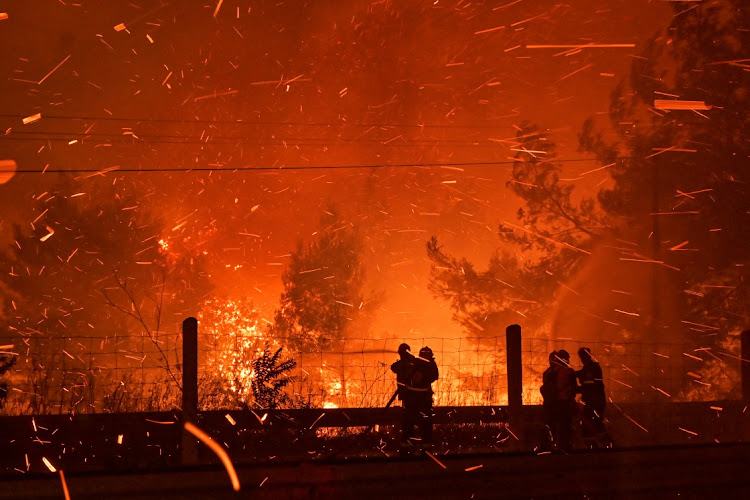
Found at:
<point>680,193</point>
<point>541,250</point>
<point>323,297</point>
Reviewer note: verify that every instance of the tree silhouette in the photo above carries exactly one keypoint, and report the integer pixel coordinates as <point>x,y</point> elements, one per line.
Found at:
<point>681,190</point>
<point>79,249</point>
<point>91,265</point>
<point>543,248</point>
<point>322,297</point>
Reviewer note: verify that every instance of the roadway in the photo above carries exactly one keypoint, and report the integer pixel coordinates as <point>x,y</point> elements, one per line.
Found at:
<point>699,471</point>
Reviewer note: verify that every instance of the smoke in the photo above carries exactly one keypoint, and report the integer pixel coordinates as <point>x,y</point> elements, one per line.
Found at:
<point>319,84</point>
<point>619,294</point>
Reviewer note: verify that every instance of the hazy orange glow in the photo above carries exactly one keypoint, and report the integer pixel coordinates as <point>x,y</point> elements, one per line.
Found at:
<point>190,149</point>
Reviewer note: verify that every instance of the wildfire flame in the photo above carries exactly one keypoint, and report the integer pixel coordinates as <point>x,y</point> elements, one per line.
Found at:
<point>232,339</point>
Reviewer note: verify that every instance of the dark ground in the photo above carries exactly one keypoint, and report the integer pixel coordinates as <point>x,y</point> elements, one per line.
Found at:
<point>661,452</point>
<point>708,471</point>
<point>151,441</point>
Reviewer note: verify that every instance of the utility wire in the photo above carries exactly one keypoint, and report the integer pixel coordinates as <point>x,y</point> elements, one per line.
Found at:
<point>294,168</point>
<point>43,135</point>
<point>262,142</point>
<point>250,123</point>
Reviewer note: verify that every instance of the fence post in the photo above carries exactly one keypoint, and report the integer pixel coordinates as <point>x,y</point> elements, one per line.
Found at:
<point>189,387</point>
<point>745,364</point>
<point>514,367</point>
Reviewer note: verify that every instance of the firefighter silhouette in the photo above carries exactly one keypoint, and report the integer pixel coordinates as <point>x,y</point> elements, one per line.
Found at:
<point>594,401</point>
<point>403,369</point>
<point>559,391</point>
<point>547,389</point>
<point>414,376</point>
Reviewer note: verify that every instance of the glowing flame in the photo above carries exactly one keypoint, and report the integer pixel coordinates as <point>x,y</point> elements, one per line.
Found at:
<point>233,339</point>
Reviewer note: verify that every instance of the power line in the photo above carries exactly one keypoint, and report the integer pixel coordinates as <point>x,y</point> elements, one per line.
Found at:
<point>42,135</point>
<point>307,142</point>
<point>249,123</point>
<point>292,168</point>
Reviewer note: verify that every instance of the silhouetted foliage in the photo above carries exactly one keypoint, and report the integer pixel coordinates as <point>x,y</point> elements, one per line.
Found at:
<point>323,283</point>
<point>706,176</point>
<point>78,249</point>
<point>542,249</point>
<point>6,363</point>
<point>691,164</point>
<point>270,377</point>
<point>97,268</point>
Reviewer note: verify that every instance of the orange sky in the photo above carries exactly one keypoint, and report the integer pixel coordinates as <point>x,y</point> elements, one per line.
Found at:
<point>366,84</point>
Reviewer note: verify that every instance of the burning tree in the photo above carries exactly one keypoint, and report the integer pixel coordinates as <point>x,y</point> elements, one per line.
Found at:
<point>234,338</point>
<point>239,368</point>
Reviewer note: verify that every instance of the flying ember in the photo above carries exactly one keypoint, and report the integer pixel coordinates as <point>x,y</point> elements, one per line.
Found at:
<point>469,238</point>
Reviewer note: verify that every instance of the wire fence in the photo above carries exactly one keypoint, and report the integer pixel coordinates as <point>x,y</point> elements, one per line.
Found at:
<point>644,372</point>
<point>355,372</point>
<point>89,374</point>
